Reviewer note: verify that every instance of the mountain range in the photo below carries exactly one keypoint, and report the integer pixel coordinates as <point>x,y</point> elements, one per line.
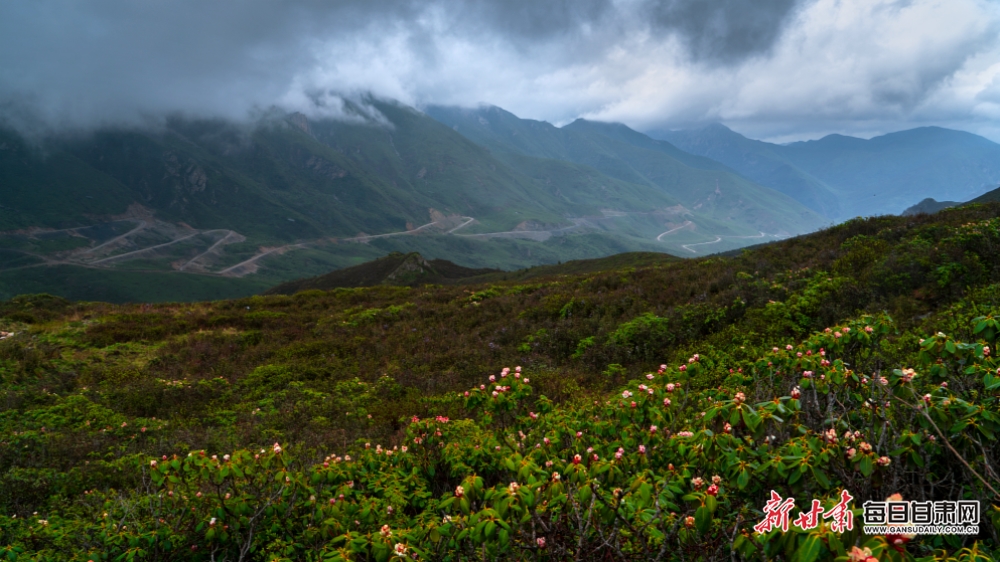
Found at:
<point>842,177</point>
<point>196,209</point>
<point>209,208</point>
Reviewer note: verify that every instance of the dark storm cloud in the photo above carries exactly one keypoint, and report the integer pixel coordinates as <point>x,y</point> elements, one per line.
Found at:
<point>79,63</point>
<point>69,64</point>
<point>106,60</point>
<point>724,30</point>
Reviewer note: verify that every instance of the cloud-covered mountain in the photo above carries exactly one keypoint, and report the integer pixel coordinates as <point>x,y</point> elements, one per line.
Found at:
<point>254,204</point>
<point>775,69</point>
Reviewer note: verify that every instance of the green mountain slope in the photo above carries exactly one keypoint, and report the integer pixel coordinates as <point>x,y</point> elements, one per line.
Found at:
<point>988,197</point>
<point>331,178</point>
<point>394,269</point>
<point>759,161</point>
<point>414,270</point>
<point>931,206</point>
<point>701,185</point>
<point>928,206</point>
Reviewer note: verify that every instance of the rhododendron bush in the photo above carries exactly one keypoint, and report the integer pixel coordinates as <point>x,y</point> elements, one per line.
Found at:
<point>658,470</point>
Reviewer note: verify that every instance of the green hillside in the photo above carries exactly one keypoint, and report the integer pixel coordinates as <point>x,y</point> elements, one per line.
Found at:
<point>988,197</point>
<point>394,269</point>
<point>414,270</point>
<point>735,205</point>
<point>928,206</point>
<point>669,398</point>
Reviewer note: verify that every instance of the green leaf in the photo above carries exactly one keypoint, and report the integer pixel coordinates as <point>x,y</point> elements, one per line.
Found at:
<point>835,544</point>
<point>810,550</point>
<point>751,419</point>
<point>866,465</point>
<point>986,431</point>
<point>711,503</point>
<point>820,477</point>
<point>490,529</point>
<point>796,476</point>
<point>703,519</point>
<point>743,479</point>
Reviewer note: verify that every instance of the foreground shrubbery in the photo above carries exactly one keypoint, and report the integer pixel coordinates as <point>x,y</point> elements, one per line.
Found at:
<point>90,394</point>
<point>658,472</point>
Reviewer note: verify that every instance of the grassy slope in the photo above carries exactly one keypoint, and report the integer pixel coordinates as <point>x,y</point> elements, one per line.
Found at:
<point>439,271</point>
<point>988,197</point>
<point>442,338</point>
<point>394,269</point>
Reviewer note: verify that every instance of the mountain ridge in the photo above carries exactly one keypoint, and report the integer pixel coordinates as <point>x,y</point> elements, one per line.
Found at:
<point>883,174</point>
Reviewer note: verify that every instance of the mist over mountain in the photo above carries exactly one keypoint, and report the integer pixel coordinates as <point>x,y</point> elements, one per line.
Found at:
<point>842,177</point>
<point>216,203</point>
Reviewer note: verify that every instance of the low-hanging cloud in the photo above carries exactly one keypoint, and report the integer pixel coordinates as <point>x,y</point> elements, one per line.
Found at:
<point>773,68</point>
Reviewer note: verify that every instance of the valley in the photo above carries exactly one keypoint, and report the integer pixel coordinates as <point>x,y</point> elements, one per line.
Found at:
<point>286,197</point>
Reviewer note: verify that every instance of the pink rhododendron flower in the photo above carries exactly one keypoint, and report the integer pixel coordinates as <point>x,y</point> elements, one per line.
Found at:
<point>861,555</point>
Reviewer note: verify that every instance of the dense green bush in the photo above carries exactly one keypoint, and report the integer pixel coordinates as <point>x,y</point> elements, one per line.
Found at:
<point>660,471</point>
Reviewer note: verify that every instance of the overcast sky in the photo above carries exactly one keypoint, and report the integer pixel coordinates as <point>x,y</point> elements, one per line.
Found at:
<point>774,69</point>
